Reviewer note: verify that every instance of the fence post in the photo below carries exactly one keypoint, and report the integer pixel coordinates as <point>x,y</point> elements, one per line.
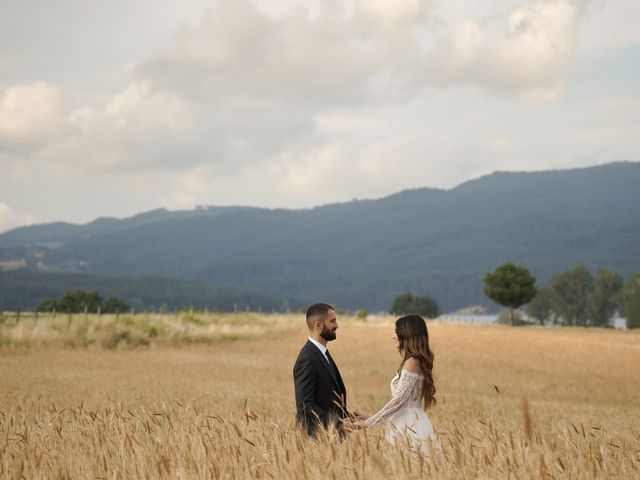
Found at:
<point>118,315</point>
<point>17,315</point>
<point>1,314</point>
<point>86,313</point>
<point>99,310</point>
<point>35,315</point>
<point>133,311</point>
<point>68,318</point>
<point>54,313</point>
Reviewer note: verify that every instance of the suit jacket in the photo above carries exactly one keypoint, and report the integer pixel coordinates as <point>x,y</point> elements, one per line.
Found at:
<point>321,397</point>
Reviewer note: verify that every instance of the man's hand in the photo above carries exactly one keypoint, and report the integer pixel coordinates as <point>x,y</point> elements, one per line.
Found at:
<point>354,422</point>
<point>351,424</point>
<point>357,416</point>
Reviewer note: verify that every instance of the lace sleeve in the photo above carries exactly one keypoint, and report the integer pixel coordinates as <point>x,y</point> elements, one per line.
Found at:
<point>403,394</point>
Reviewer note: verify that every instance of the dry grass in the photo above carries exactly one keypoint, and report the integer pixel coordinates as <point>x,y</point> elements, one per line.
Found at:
<point>513,403</point>
<point>135,331</point>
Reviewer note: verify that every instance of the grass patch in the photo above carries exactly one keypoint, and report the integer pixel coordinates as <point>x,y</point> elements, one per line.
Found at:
<point>135,331</point>
<point>124,339</point>
<point>8,342</point>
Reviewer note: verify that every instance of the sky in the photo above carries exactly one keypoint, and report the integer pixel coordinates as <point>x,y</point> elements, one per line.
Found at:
<point>112,108</point>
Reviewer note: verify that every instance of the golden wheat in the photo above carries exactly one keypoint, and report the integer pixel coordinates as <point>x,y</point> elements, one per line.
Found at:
<point>512,403</point>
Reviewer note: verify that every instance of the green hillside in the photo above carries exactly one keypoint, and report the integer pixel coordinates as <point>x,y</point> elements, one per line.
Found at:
<point>362,253</point>
<point>26,290</point>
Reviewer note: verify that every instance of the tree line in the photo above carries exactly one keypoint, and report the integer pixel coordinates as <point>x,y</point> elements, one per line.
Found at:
<point>79,300</point>
<point>574,297</point>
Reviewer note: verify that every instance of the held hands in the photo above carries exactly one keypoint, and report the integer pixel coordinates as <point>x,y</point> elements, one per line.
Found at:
<point>355,421</point>
<point>357,416</point>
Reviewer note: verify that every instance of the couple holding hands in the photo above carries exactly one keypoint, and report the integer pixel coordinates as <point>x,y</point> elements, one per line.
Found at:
<point>321,397</point>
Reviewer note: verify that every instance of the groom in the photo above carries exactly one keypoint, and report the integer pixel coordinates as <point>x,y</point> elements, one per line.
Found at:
<point>321,397</point>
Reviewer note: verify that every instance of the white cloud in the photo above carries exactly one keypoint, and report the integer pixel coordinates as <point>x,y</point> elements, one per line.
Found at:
<point>530,49</point>
<point>138,128</point>
<point>9,218</point>
<point>394,13</point>
<point>241,53</point>
<point>261,80</point>
<point>246,85</point>
<point>539,43</point>
<point>29,114</point>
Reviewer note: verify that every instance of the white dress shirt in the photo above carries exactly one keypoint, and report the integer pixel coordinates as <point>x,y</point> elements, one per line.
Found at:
<point>322,349</point>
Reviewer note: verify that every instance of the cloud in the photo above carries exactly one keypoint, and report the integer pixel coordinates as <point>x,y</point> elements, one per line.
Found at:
<point>140,127</point>
<point>29,114</point>
<point>354,52</point>
<point>10,219</point>
<point>246,85</point>
<point>530,49</point>
<point>239,53</point>
<point>259,81</point>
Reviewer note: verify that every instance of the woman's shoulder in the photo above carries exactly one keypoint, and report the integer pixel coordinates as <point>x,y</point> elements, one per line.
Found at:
<point>412,365</point>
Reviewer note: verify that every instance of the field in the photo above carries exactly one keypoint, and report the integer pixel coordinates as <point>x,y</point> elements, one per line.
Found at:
<point>211,396</point>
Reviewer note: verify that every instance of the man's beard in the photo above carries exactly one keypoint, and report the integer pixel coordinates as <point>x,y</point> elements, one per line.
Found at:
<point>327,334</point>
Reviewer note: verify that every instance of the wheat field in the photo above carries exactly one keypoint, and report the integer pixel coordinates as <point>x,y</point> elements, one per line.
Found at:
<point>211,396</point>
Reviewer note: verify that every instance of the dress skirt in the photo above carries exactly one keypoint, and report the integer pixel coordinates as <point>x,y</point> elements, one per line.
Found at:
<point>410,425</point>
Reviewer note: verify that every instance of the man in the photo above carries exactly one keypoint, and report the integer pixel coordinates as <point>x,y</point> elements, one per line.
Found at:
<point>321,397</point>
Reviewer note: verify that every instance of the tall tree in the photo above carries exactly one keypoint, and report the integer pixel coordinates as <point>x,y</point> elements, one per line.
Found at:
<point>570,293</point>
<point>510,285</point>
<point>632,301</point>
<point>604,299</point>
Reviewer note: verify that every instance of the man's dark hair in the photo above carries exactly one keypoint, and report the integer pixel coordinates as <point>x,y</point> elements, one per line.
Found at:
<point>315,310</point>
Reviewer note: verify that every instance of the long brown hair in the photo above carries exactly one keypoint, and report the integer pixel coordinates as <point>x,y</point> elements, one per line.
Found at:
<point>413,341</point>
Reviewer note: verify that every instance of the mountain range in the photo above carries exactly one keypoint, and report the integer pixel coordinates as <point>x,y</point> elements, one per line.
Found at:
<point>356,254</point>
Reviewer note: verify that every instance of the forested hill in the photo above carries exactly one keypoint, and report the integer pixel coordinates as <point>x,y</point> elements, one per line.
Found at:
<point>363,253</point>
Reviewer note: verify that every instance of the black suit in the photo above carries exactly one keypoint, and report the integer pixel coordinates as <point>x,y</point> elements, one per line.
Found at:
<point>321,397</point>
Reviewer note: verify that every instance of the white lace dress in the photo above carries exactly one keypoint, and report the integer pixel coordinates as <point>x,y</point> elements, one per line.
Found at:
<point>403,417</point>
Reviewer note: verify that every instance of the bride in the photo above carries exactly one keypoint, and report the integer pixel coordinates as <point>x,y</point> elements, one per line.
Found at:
<point>403,417</point>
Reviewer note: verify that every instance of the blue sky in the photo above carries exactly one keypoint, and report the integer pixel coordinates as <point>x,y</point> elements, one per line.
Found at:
<point>113,108</point>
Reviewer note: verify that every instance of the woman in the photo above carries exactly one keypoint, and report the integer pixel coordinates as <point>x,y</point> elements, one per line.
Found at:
<point>411,386</point>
